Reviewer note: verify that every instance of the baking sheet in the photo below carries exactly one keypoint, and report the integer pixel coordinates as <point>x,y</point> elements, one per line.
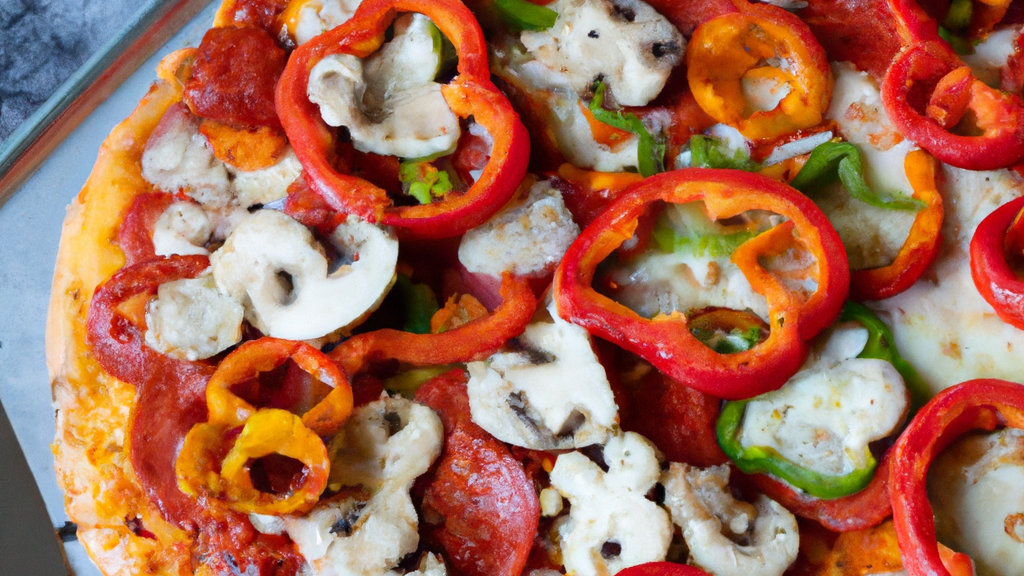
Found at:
<point>30,224</point>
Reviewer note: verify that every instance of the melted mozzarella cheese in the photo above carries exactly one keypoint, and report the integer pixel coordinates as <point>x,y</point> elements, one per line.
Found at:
<point>274,266</point>
<point>977,487</point>
<point>268,184</point>
<point>522,397</point>
<point>360,536</point>
<point>177,157</point>
<point>712,521</point>
<point>942,325</point>
<point>192,319</point>
<point>389,102</point>
<point>611,507</point>
<point>826,415</point>
<point>627,43</point>
<point>528,237</point>
<point>991,54</point>
<point>183,228</point>
<point>315,18</point>
<point>872,236</point>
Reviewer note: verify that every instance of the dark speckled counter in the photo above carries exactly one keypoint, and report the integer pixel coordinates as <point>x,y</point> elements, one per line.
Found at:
<point>42,42</point>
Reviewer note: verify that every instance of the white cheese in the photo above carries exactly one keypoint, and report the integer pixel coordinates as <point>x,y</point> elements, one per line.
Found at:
<point>991,54</point>
<point>713,523</point>
<point>177,157</point>
<point>389,102</point>
<point>576,140</point>
<point>941,325</point>
<point>528,237</point>
<point>660,283</point>
<point>826,415</point>
<point>610,507</point>
<point>268,184</point>
<point>274,266</point>
<point>183,228</point>
<point>627,43</point>
<point>872,236</point>
<point>191,319</point>
<point>384,447</point>
<point>315,18</point>
<point>977,488</point>
<point>522,395</point>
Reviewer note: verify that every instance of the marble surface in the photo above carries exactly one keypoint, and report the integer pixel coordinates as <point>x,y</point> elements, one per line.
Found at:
<point>42,42</point>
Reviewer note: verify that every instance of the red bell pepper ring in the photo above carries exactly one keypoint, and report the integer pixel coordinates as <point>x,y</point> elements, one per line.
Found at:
<point>666,341</point>
<point>662,569</point>
<point>471,93</point>
<point>474,340</point>
<point>489,505</point>
<point>999,116</point>
<point>858,511</point>
<point>980,404</point>
<point>922,243</point>
<point>995,279</point>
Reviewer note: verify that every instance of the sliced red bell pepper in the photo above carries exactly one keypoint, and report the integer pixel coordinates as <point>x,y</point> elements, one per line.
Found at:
<point>470,93</point>
<point>922,244</point>
<point>914,86</point>
<point>666,341</point>
<point>724,50</point>
<point>489,506</point>
<point>995,279</point>
<point>662,569</point>
<point>474,340</point>
<point>973,405</point>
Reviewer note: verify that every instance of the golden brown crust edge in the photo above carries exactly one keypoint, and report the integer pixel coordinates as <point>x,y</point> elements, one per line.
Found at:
<point>93,408</point>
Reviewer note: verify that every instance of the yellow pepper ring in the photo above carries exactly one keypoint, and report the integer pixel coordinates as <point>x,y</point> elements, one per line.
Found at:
<point>726,50</point>
<point>263,355</point>
<point>197,463</point>
<point>273,431</point>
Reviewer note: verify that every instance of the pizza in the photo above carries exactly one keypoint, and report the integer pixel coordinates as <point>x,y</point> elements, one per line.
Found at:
<point>588,287</point>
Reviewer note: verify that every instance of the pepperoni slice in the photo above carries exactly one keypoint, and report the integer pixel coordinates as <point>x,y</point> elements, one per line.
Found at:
<point>858,31</point>
<point>135,236</point>
<point>234,76</point>
<point>489,506</point>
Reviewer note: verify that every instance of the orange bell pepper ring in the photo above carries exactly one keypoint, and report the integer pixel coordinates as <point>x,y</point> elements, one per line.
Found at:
<point>922,243</point>
<point>215,463</point>
<point>761,44</point>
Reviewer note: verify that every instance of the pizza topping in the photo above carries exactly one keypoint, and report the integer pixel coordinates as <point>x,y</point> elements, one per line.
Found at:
<point>727,537</point>
<point>527,237</point>
<point>470,93</point>
<point>729,56</point>
<point>192,319</point>
<point>307,19</point>
<point>177,157</point>
<point>995,253</point>
<point>481,505</point>
<point>135,234</point>
<point>520,395</point>
<point>815,431</point>
<point>233,77</point>
<point>525,15</point>
<point>183,228</point>
<point>979,507</point>
<point>268,184</point>
<point>609,510</point>
<point>218,463</point>
<point>798,308</point>
<point>383,448</point>
<point>975,405</point>
<point>273,265</point>
<point>626,43</point>
<point>997,117</point>
<point>389,102</point>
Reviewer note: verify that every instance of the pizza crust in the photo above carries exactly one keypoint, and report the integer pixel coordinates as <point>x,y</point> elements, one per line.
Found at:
<point>90,449</point>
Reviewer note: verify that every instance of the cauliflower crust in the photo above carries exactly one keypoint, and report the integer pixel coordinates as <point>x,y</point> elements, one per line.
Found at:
<point>93,409</point>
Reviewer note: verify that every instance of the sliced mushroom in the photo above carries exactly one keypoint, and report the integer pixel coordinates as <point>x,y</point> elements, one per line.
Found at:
<point>611,525</point>
<point>727,537</point>
<point>275,267</point>
<point>389,102</point>
<point>192,319</point>
<point>369,532</point>
<point>183,228</point>
<point>545,391</point>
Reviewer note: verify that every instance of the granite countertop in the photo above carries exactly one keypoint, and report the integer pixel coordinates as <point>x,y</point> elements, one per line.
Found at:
<point>42,42</point>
